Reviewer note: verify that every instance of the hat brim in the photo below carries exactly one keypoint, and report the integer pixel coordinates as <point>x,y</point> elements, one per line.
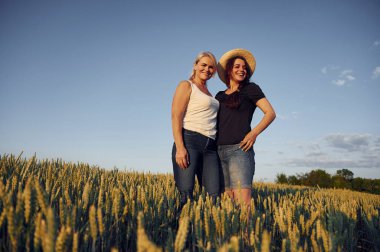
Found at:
<point>248,56</point>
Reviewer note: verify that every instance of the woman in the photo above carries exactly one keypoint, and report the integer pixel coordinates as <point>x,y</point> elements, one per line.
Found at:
<point>194,115</point>
<point>235,138</point>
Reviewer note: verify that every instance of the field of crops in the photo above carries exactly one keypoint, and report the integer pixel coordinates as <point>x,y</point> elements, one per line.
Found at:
<point>51,205</point>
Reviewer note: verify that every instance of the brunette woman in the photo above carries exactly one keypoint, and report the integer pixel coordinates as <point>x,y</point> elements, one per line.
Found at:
<point>236,139</point>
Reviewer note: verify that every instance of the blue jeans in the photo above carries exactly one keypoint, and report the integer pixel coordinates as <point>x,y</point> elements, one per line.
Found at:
<point>204,163</point>
<point>238,166</point>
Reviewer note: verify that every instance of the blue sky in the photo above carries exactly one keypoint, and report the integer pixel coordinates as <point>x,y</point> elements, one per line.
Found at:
<point>92,81</point>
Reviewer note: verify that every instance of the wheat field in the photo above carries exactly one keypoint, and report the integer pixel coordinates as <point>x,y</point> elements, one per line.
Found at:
<point>52,205</point>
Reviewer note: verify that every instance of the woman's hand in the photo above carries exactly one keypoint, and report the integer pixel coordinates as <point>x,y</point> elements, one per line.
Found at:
<point>269,115</point>
<point>182,158</point>
<point>248,141</point>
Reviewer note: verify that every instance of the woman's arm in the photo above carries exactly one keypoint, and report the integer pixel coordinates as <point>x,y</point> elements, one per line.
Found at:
<point>179,105</point>
<point>269,116</point>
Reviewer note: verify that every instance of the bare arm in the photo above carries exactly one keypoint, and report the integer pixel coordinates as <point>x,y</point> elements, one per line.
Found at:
<point>179,105</point>
<point>269,116</point>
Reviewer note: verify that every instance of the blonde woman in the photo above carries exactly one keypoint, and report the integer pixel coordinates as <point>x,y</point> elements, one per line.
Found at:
<point>194,115</point>
<point>235,136</point>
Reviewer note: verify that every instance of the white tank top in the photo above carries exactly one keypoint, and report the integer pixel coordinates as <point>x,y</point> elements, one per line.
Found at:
<point>201,113</point>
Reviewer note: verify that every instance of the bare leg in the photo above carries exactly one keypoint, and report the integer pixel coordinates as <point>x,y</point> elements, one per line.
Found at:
<point>230,193</point>
<point>243,195</point>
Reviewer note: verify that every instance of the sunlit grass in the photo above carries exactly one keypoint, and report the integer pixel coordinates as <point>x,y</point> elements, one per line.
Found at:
<point>51,205</point>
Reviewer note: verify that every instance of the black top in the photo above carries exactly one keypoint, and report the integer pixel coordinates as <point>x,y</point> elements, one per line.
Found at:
<point>234,124</point>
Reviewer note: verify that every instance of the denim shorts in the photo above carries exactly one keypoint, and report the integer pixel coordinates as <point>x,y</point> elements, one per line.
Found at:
<point>238,166</point>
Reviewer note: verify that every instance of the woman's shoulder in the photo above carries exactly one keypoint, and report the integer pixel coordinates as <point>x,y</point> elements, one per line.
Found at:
<point>251,85</point>
<point>253,91</point>
<point>183,88</point>
<point>220,93</point>
<point>184,84</point>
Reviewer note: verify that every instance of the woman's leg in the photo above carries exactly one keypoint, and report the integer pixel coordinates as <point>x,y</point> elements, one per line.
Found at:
<point>241,170</point>
<point>224,169</point>
<point>211,172</point>
<point>243,195</point>
<point>230,193</point>
<point>185,178</point>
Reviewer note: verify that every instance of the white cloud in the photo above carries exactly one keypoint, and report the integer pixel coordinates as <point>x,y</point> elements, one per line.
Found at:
<point>340,151</point>
<point>348,142</point>
<point>334,163</point>
<point>339,82</point>
<point>376,73</point>
<point>325,70</point>
<point>376,43</point>
<point>345,73</point>
<point>343,76</point>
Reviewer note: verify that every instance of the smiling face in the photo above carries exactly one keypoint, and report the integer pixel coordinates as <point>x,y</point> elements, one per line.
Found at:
<point>204,69</point>
<point>238,72</point>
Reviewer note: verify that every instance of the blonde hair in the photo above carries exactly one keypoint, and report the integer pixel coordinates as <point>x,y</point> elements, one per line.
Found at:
<point>199,57</point>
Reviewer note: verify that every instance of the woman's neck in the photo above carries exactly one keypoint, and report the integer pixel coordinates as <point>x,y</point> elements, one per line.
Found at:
<point>233,85</point>
<point>199,81</point>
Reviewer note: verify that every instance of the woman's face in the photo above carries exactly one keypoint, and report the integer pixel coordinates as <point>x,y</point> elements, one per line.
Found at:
<point>238,71</point>
<point>204,69</point>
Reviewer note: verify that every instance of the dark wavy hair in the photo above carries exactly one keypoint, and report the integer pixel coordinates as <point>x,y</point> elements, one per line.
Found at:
<point>233,100</point>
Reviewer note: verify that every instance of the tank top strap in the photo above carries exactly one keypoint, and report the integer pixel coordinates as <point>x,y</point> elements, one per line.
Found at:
<point>193,87</point>
<point>191,84</point>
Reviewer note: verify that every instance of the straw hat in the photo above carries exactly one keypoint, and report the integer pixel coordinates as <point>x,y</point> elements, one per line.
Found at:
<point>231,54</point>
